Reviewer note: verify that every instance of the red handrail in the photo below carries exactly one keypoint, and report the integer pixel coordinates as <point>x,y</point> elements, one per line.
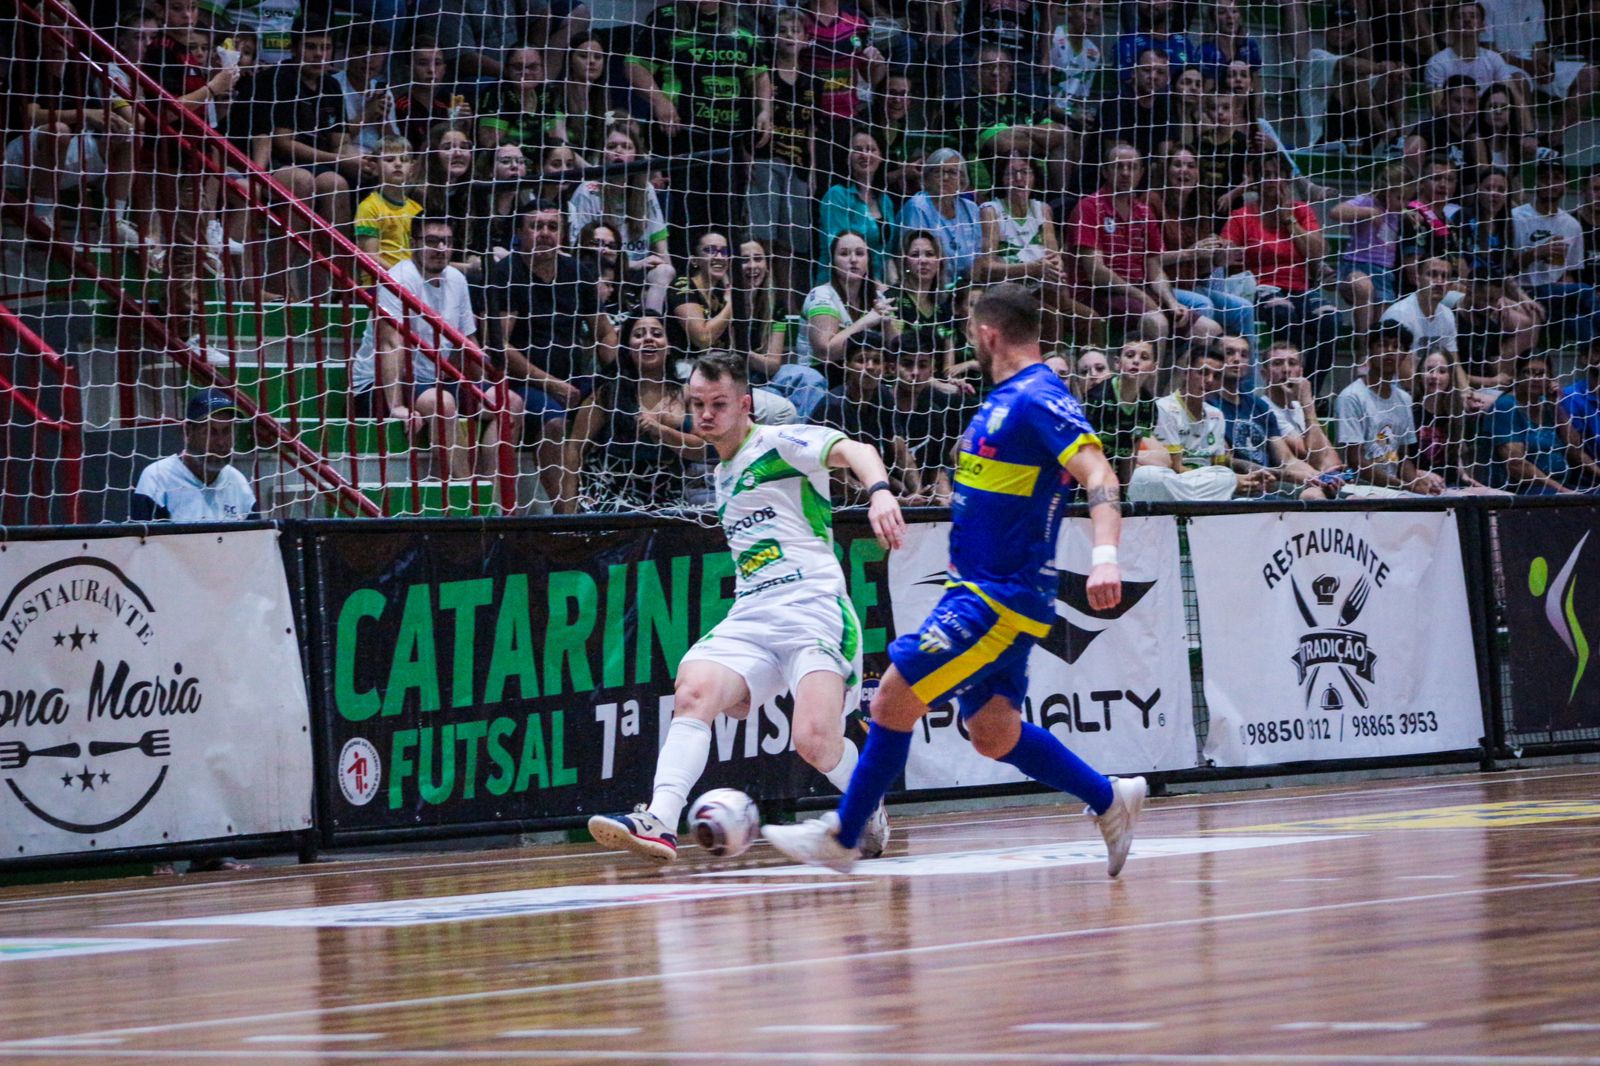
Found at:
<point>69,426</point>
<point>194,127</point>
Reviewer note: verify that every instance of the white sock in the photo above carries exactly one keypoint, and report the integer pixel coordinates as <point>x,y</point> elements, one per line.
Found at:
<point>119,209</point>
<point>680,764</point>
<point>839,776</point>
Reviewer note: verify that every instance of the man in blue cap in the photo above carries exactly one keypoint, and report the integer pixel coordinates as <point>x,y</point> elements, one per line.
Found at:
<point>198,484</point>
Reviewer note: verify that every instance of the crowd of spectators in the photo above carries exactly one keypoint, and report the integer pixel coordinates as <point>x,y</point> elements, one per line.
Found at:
<point>820,185</point>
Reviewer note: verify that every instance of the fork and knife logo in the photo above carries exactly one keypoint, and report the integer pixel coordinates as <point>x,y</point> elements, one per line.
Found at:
<point>1338,647</point>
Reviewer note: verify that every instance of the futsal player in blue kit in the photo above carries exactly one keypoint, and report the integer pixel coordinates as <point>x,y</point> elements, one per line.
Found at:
<point>1019,460</point>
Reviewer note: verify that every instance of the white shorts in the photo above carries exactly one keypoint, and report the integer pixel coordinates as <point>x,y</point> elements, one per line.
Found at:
<point>84,162</point>
<point>772,645</point>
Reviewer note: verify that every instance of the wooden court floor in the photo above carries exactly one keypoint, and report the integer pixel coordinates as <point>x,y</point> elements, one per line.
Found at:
<point>1445,920</point>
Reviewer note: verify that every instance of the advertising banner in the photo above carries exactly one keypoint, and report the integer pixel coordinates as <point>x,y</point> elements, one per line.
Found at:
<point>151,693</point>
<point>1552,588</point>
<point>523,675</point>
<point>1334,636</point>
<point>1113,685</point>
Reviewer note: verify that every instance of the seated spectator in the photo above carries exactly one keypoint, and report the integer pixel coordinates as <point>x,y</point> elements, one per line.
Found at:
<point>1516,28</point>
<point>552,338</point>
<point>1424,313</point>
<point>1348,93</point>
<point>1159,28</point>
<point>760,332</point>
<point>426,99</point>
<point>473,34</point>
<point>1145,116</point>
<point>447,190</point>
<point>369,107</point>
<point>1454,130</point>
<point>634,435</point>
<point>925,297</point>
<point>1222,152</point>
<point>1195,255</point>
<point>1076,57</point>
<point>1188,94</point>
<point>311,146</point>
<point>1447,424</point>
<point>501,185</point>
<point>999,121</point>
<point>1255,440</point>
<point>929,418</point>
<point>779,199</point>
<point>1588,216</point>
<point>626,201</point>
<point>1020,244</point>
<point>859,205</point>
<point>587,99</point>
<point>1186,455</point>
<point>1227,43</point>
<point>199,483</point>
<point>901,124</point>
<point>1089,370</point>
<point>1463,55</point>
<point>395,372</point>
<point>1375,427</point>
<point>1500,316</point>
<point>1425,231</point>
<point>598,250</point>
<point>1289,397</point>
<point>702,300</point>
<point>941,210</point>
<point>1119,243</point>
<point>840,58</point>
<point>383,219</point>
<point>523,108</point>
<point>1540,452</point>
<point>1581,399</point>
<point>1549,254</point>
<point>863,409</point>
<point>1122,408</point>
<point>1502,130</point>
<point>849,302</point>
<point>1369,268</point>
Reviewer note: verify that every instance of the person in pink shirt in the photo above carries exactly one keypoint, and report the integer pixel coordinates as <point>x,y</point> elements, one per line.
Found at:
<point>1118,240</point>
<point>1284,247</point>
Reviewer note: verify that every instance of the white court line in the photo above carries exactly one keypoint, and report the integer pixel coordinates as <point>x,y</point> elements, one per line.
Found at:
<point>1572,1027</point>
<point>825,960</point>
<point>1427,877</point>
<point>66,1041</point>
<point>890,1058</point>
<point>826,1028</point>
<point>1198,881</point>
<point>1532,877</point>
<point>1351,1027</point>
<point>1311,880</point>
<point>314,1038</point>
<point>356,867</point>
<point>1085,1027</point>
<point>522,1034</point>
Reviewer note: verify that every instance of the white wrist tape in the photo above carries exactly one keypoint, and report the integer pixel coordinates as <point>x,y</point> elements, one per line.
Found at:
<point>1103,554</point>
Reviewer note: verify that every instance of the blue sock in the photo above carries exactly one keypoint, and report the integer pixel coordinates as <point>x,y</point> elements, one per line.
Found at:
<point>1044,758</point>
<point>882,760</point>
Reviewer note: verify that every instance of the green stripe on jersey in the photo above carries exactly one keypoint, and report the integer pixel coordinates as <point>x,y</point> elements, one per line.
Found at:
<point>769,467</point>
<point>851,639</point>
<point>818,511</point>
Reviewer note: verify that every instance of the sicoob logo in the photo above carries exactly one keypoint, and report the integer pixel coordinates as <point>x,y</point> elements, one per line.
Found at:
<point>90,751</point>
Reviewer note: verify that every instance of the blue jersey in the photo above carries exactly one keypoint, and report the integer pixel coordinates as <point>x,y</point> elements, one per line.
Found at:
<point>1011,487</point>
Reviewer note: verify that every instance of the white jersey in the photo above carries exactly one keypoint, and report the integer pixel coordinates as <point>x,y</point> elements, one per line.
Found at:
<point>177,495</point>
<point>772,497</point>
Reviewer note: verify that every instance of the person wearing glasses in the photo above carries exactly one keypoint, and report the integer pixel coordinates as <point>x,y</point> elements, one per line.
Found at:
<point>702,301</point>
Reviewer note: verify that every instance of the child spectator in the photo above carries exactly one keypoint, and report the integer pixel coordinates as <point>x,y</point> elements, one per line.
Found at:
<point>928,417</point>
<point>383,219</point>
<point>1289,396</point>
<point>1375,426</point>
<point>1221,151</point>
<point>1122,408</point>
<point>863,409</point>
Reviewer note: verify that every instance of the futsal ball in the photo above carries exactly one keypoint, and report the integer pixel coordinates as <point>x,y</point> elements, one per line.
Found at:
<point>725,822</point>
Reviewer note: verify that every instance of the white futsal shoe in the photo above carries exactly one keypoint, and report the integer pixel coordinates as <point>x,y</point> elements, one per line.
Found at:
<point>1116,824</point>
<point>875,834</point>
<point>639,832</point>
<point>814,842</point>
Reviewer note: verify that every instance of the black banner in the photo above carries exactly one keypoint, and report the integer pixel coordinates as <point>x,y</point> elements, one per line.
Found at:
<point>1552,587</point>
<point>514,675</point>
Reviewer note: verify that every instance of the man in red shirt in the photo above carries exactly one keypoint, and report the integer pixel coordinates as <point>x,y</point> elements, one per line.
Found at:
<point>1119,244</point>
<point>1282,242</point>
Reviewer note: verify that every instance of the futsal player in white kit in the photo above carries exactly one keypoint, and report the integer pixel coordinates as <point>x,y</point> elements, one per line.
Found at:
<point>792,627</point>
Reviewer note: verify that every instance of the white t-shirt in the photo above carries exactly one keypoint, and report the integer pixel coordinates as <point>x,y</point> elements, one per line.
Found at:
<point>588,205</point>
<point>172,486</point>
<point>1292,420</point>
<point>1514,27</point>
<point>772,497</point>
<point>1201,441</point>
<point>1531,228</point>
<point>1428,331</point>
<point>1072,69</point>
<point>1485,68</point>
<point>825,300</point>
<point>355,105</point>
<point>1382,425</point>
<point>447,294</point>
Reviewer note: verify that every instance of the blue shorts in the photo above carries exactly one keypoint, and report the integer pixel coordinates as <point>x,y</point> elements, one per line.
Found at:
<point>1385,280</point>
<point>541,406</point>
<point>969,649</point>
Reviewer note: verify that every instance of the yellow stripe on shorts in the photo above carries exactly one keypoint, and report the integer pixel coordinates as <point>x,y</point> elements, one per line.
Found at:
<point>989,647</point>
<point>1007,616</point>
<point>992,475</point>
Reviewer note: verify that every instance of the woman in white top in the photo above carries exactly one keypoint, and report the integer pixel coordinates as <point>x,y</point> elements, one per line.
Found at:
<point>627,202</point>
<point>848,303</point>
<point>1020,244</point>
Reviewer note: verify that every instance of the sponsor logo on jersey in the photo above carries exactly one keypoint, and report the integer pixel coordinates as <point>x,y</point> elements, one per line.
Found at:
<point>997,417</point>
<point>751,520</point>
<point>933,639</point>
<point>786,579</point>
<point>757,557</point>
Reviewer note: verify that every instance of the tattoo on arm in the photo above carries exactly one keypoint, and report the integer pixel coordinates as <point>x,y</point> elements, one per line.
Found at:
<point>1103,494</point>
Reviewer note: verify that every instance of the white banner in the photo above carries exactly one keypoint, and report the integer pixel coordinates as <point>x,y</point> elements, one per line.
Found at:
<point>1334,636</point>
<point>1113,686</point>
<point>150,693</point>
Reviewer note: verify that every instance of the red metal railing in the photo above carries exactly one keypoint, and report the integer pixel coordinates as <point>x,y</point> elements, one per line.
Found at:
<point>29,487</point>
<point>267,204</point>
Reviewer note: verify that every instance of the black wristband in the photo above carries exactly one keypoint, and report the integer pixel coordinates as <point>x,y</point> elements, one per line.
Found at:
<point>878,486</point>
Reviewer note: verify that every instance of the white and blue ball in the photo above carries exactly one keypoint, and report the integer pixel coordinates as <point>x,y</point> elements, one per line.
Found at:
<point>725,822</point>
